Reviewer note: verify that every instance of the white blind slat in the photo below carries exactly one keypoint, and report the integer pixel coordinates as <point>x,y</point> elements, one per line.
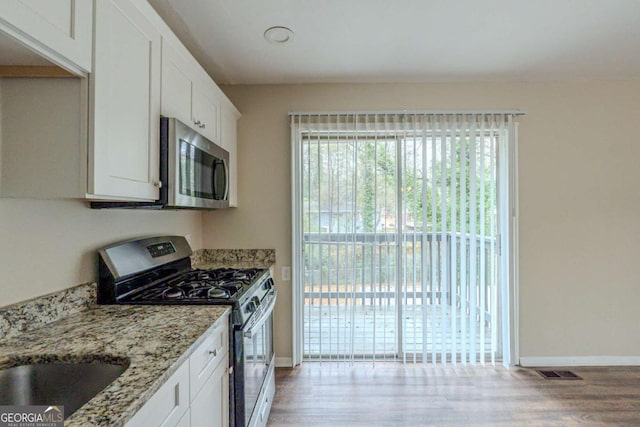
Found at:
<point>482,279</point>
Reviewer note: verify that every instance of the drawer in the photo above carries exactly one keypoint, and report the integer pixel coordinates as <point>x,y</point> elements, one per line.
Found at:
<point>208,355</point>
<point>168,405</point>
<point>265,400</point>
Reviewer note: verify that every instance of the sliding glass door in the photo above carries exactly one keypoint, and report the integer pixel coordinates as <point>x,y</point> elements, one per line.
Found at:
<point>398,236</point>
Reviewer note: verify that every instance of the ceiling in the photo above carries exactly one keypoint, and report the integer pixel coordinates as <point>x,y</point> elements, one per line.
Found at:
<point>410,40</point>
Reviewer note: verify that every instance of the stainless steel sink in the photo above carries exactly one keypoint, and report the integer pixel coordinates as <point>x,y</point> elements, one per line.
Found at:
<point>68,384</point>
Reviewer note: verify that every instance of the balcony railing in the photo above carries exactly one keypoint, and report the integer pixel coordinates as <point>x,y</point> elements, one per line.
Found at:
<point>361,267</point>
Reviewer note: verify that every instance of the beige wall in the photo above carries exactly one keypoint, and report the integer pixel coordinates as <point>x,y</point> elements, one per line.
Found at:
<point>49,245</point>
<point>579,198</point>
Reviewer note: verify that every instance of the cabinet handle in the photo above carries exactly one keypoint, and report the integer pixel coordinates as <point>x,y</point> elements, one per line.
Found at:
<point>176,395</point>
<point>157,184</point>
<point>230,370</point>
<point>214,353</point>
<point>203,126</point>
<point>197,122</point>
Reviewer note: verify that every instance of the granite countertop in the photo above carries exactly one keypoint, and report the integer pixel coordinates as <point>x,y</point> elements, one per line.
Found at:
<point>233,258</point>
<point>154,340</point>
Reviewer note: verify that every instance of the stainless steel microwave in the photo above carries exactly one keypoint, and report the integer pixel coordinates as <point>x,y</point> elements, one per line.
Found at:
<point>198,169</point>
<point>194,172</point>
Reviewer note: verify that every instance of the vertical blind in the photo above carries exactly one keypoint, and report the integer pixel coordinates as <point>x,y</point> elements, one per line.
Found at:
<point>400,217</point>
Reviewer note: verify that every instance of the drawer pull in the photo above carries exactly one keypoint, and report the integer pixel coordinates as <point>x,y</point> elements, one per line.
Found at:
<point>214,353</point>
<point>176,395</point>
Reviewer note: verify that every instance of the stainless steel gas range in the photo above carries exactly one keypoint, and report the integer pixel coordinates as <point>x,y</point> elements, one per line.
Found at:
<point>157,270</point>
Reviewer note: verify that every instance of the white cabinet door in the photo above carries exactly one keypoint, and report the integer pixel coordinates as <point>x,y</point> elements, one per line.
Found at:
<point>125,88</point>
<point>185,96</point>
<point>206,114</point>
<point>229,141</point>
<point>206,358</point>
<point>58,29</point>
<point>176,85</point>
<point>185,421</point>
<point>210,408</point>
<point>168,406</point>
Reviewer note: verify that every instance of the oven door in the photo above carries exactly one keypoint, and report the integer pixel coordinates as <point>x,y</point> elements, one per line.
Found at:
<point>256,361</point>
<point>199,169</point>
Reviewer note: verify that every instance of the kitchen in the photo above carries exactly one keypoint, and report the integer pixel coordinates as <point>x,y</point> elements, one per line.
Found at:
<point>50,244</point>
<point>81,131</point>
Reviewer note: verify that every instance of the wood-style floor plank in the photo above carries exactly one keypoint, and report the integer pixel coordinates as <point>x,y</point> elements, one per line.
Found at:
<point>393,394</point>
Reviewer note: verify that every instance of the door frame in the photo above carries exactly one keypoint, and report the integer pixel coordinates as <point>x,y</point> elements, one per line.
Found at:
<point>511,351</point>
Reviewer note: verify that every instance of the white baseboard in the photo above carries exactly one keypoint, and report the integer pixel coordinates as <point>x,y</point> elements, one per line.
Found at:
<point>580,361</point>
<point>284,362</point>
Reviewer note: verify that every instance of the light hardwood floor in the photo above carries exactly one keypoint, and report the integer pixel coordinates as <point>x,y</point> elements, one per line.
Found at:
<point>393,394</point>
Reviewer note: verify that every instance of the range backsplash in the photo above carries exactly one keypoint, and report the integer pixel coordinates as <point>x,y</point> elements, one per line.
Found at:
<point>233,258</point>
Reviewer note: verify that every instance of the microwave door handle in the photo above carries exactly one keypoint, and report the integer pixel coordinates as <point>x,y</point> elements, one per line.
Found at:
<point>226,181</point>
<point>225,191</point>
<point>213,181</point>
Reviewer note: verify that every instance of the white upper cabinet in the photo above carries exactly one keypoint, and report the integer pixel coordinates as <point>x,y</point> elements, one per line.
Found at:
<point>125,104</point>
<point>102,130</point>
<point>59,30</point>
<point>187,93</point>
<point>190,95</point>
<point>177,86</point>
<point>206,113</point>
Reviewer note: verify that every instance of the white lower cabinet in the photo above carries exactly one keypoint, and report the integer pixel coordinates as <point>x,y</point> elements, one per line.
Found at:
<point>207,357</point>
<point>168,405</point>
<point>197,394</point>
<point>209,378</point>
<point>186,420</point>
<point>210,407</point>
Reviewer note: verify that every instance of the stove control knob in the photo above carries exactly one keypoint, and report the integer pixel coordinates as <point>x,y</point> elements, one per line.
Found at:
<point>256,301</point>
<point>251,307</point>
<point>268,285</point>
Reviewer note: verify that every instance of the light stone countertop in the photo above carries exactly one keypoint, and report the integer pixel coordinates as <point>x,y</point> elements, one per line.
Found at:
<point>155,340</point>
<point>233,258</point>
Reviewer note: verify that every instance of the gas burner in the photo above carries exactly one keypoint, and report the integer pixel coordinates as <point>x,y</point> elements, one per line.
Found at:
<point>208,292</point>
<point>173,293</point>
<point>218,293</point>
<point>231,286</point>
<point>197,276</point>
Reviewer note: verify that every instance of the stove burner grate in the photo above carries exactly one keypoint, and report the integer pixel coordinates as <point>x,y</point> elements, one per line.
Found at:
<point>200,285</point>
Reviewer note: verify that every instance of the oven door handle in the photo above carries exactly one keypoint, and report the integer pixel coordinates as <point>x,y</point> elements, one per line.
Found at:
<point>249,333</point>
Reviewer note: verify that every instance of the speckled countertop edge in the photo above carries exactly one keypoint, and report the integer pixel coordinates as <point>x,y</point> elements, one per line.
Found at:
<point>142,335</point>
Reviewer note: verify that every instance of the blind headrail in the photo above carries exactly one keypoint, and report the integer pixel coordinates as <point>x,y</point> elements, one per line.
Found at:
<point>515,112</point>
